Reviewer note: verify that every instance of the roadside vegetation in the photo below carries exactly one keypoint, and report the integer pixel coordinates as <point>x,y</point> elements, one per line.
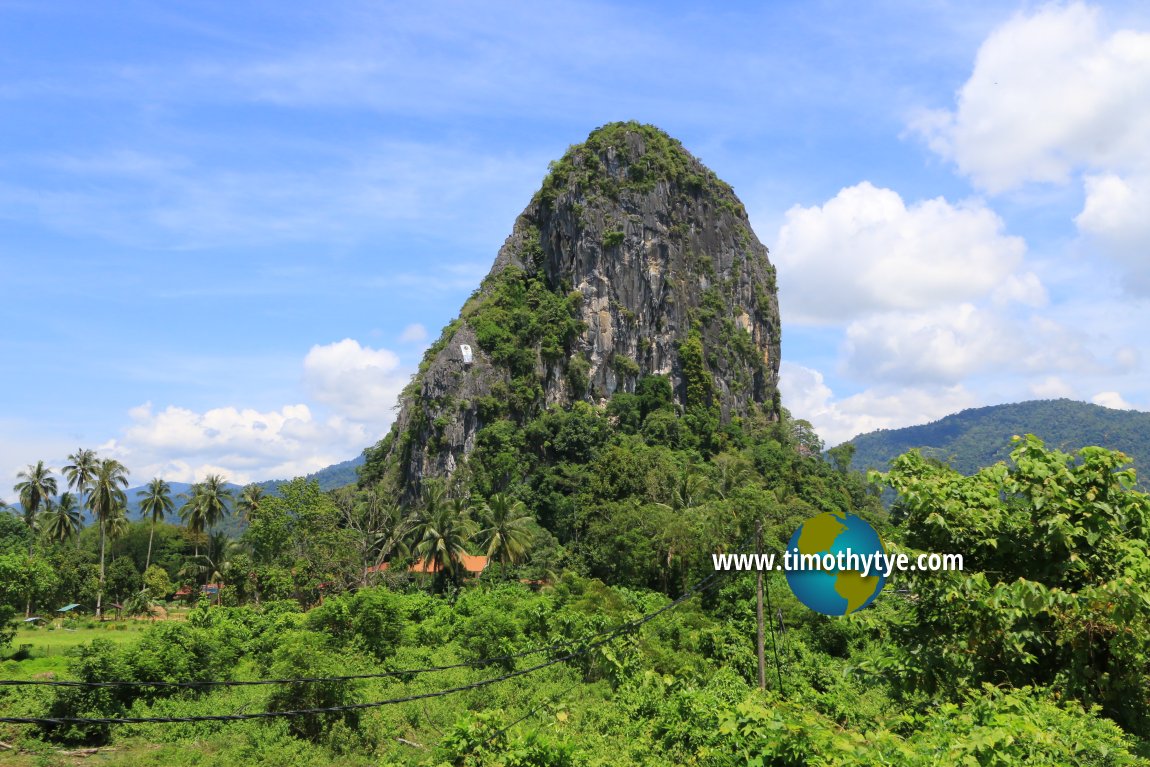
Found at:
<point>591,520</point>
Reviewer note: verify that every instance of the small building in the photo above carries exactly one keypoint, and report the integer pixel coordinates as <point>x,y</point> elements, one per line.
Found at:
<point>473,565</point>
<point>465,350</point>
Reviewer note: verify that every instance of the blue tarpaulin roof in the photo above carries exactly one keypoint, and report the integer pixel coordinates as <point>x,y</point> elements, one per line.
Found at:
<point>33,619</point>
<point>66,608</point>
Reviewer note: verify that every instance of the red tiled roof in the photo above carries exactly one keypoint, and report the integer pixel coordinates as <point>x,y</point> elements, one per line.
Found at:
<point>472,564</point>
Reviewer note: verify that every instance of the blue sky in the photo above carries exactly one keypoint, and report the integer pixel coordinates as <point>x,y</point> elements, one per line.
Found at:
<point>227,231</point>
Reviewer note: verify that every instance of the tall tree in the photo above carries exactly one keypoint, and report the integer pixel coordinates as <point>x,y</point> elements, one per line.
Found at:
<point>506,531</point>
<point>36,486</point>
<point>379,525</point>
<point>249,501</point>
<point>442,530</point>
<point>155,502</point>
<point>81,471</point>
<point>214,498</point>
<point>216,563</point>
<point>192,515</point>
<point>62,520</point>
<point>206,505</point>
<point>107,500</point>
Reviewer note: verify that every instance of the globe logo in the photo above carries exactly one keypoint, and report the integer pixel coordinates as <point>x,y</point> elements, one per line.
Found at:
<point>838,590</point>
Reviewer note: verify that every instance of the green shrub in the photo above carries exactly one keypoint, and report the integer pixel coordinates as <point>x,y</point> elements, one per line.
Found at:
<point>97,661</point>
<point>178,652</point>
<point>371,619</point>
<point>491,632</point>
<point>7,627</point>
<point>303,654</point>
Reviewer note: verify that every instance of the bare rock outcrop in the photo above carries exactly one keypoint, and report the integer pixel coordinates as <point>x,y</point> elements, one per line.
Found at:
<point>633,259</point>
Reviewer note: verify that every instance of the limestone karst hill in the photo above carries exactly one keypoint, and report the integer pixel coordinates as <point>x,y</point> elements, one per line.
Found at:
<point>632,260</point>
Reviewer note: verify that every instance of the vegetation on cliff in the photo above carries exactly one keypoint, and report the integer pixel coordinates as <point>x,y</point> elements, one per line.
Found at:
<point>632,260</point>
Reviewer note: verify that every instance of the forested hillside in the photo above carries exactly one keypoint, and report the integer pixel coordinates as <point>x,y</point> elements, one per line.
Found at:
<point>980,437</point>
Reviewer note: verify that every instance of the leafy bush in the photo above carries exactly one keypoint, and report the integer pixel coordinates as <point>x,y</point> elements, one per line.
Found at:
<point>491,632</point>
<point>480,739</point>
<point>371,619</point>
<point>177,652</point>
<point>7,627</point>
<point>1062,601</point>
<point>97,661</point>
<point>303,654</point>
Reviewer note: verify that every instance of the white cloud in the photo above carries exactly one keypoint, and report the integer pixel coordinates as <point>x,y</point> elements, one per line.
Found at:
<point>950,343</point>
<point>413,334</point>
<point>242,444</point>
<point>357,382</point>
<point>930,292</point>
<point>356,385</point>
<point>1054,96</point>
<point>1050,92</point>
<point>1111,399</point>
<point>1115,216</point>
<point>866,250</point>
<point>806,395</point>
<point>1051,387</point>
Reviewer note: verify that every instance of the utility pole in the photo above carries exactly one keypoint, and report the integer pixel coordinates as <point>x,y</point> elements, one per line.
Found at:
<point>761,643</point>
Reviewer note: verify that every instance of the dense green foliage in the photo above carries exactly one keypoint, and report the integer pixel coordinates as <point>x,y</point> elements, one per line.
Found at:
<point>979,437</point>
<point>519,314</point>
<point>1038,653</point>
<point>663,159</point>
<point>1059,593</point>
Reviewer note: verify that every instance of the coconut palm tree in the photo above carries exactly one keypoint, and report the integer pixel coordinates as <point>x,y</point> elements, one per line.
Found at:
<point>249,501</point>
<point>81,471</point>
<point>507,529</point>
<point>192,515</point>
<point>688,491</point>
<point>140,603</point>
<point>62,520</point>
<point>382,528</point>
<point>216,563</point>
<point>731,473</point>
<point>390,531</point>
<point>442,529</point>
<point>35,487</point>
<point>205,505</point>
<point>107,500</point>
<point>156,502</point>
<point>117,526</point>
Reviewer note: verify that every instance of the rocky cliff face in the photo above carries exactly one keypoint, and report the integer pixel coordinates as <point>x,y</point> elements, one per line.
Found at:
<point>633,259</point>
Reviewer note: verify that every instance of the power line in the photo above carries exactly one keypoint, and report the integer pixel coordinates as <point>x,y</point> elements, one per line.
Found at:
<point>491,660</point>
<point>611,636</point>
<point>531,712</point>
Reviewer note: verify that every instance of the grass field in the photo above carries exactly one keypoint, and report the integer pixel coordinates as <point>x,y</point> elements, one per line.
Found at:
<point>48,649</point>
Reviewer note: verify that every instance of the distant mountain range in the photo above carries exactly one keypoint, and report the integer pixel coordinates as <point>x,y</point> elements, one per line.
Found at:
<point>980,437</point>
<point>336,475</point>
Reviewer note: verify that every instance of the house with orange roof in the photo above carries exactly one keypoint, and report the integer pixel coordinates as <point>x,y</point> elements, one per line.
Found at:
<point>473,565</point>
